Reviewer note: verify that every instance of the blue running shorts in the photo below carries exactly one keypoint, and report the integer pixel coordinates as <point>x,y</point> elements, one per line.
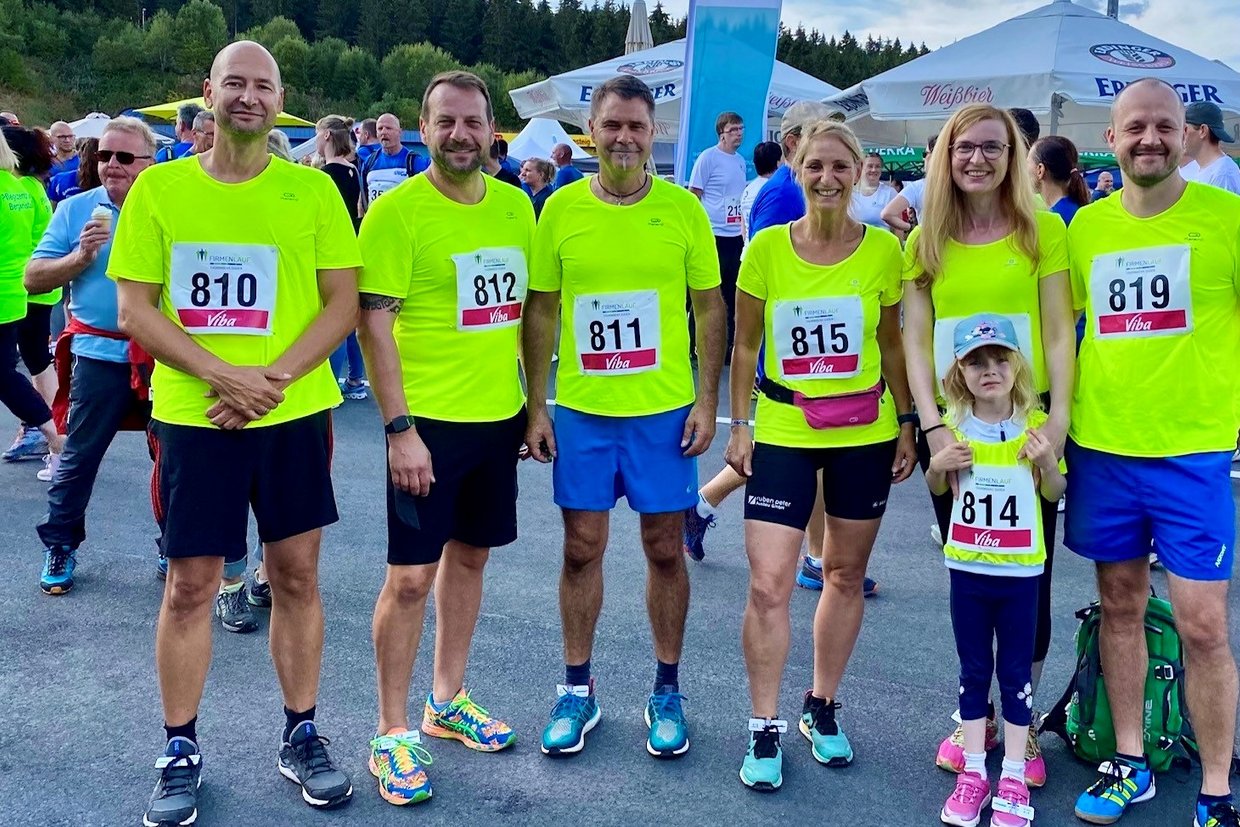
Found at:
<point>600,459</point>
<point>1118,505</point>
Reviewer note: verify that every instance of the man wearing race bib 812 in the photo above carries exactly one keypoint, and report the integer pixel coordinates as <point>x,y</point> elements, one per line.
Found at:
<point>237,272</point>
<point>446,274</point>
<point>616,254</point>
<point>1157,271</point>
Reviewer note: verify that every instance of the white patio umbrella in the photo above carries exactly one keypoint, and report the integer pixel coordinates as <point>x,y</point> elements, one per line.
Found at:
<point>638,37</point>
<point>539,137</point>
<point>1061,61</point>
<point>566,97</point>
<point>91,126</point>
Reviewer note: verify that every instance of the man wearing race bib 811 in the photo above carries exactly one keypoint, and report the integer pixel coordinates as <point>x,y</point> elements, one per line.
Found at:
<point>237,272</point>
<point>617,253</point>
<point>1156,269</point>
<point>446,274</point>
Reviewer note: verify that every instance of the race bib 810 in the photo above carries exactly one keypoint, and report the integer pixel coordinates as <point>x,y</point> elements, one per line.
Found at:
<point>224,288</point>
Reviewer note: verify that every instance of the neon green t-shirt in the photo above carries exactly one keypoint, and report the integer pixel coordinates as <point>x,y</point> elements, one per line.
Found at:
<point>820,326</point>
<point>1158,369</point>
<point>462,272</point>
<point>623,274</point>
<point>43,217</point>
<point>238,264</point>
<point>995,278</point>
<point>20,232</point>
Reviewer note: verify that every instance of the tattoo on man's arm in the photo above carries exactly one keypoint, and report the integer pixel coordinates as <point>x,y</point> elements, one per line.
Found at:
<point>370,301</point>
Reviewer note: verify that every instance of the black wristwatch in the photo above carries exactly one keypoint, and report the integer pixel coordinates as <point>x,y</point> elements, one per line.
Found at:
<point>907,419</point>
<point>399,425</point>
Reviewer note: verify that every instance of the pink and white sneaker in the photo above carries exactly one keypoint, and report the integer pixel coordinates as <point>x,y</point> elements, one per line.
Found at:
<point>951,752</point>
<point>1011,805</point>
<point>1035,764</point>
<point>964,806</point>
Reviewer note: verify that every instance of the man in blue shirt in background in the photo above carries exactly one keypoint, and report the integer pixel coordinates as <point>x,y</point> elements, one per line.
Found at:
<point>390,164</point>
<point>566,173</point>
<point>74,251</point>
<point>780,201</point>
<point>184,127</point>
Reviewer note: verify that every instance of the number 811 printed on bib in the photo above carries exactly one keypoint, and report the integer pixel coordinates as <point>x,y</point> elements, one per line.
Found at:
<point>224,288</point>
<point>996,511</point>
<point>617,333</point>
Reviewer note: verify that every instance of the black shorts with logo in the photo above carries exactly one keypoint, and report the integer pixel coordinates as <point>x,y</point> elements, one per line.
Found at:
<point>473,499</point>
<point>855,482</point>
<point>206,480</point>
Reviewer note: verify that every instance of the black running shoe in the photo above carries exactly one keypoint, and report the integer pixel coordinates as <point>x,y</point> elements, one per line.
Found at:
<point>175,800</point>
<point>304,759</point>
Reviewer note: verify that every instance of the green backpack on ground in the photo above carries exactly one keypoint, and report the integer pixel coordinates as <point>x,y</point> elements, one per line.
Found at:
<point>1082,717</point>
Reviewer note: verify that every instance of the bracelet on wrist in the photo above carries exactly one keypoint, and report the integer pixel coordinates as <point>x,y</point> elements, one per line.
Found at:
<point>933,428</point>
<point>738,422</point>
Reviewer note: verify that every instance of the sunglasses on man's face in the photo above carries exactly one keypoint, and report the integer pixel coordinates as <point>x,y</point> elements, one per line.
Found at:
<point>122,158</point>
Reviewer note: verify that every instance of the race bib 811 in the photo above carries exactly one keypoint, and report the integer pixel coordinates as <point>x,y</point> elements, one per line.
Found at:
<point>224,288</point>
<point>617,333</point>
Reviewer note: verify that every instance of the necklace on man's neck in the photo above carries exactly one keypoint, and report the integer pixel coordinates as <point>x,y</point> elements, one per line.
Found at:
<point>621,196</point>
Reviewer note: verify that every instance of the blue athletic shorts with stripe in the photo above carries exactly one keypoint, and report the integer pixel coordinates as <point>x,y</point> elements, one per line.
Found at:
<point>600,459</point>
<point>1118,505</point>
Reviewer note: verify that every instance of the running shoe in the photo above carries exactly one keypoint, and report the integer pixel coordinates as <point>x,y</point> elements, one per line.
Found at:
<point>964,806</point>
<point>174,803</point>
<point>1035,765</point>
<point>233,610</point>
<point>830,744</point>
<point>258,592</point>
<point>869,588</point>
<point>351,391</point>
<point>465,721</point>
<point>1010,806</point>
<point>763,767</point>
<point>1119,784</point>
<point>29,444</point>
<point>58,566</point>
<point>399,761</point>
<point>1219,814</point>
<point>161,567</point>
<point>669,732</point>
<point>51,463</point>
<point>695,532</point>
<point>574,714</point>
<point>810,576</point>
<point>304,760</point>
<point>951,752</point>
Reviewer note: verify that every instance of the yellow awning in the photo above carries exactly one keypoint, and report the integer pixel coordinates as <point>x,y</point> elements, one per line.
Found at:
<point>168,112</point>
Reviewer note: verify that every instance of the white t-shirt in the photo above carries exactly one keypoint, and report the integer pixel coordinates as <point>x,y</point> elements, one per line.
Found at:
<point>747,198</point>
<point>868,209</point>
<point>1190,171</point>
<point>914,193</point>
<point>1222,173</point>
<point>721,178</point>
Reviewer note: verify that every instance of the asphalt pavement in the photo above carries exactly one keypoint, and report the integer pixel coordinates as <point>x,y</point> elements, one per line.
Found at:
<point>79,706</point>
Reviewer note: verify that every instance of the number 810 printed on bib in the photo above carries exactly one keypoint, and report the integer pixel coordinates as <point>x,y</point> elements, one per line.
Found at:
<point>224,288</point>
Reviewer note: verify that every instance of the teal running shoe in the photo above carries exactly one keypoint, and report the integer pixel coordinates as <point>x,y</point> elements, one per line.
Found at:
<point>1119,784</point>
<point>1218,814</point>
<point>669,733</point>
<point>830,744</point>
<point>58,566</point>
<point>574,714</point>
<point>763,767</point>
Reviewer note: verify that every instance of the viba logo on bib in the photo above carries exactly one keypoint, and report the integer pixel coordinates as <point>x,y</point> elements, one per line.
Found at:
<point>818,338</point>
<point>617,333</point>
<point>224,288</point>
<point>1142,293</point>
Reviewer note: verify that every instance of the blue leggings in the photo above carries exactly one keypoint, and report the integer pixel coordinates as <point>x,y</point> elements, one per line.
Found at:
<point>349,351</point>
<point>985,609</point>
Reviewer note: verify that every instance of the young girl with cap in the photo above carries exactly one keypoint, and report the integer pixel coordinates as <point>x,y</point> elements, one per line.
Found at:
<point>995,552</point>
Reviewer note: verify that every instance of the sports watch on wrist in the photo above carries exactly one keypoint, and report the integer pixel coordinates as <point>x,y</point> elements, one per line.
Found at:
<point>399,425</point>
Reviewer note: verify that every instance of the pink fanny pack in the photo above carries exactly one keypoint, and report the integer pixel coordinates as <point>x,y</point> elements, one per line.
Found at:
<point>843,411</point>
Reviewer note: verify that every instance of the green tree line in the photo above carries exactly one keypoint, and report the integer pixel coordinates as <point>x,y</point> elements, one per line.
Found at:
<point>358,58</point>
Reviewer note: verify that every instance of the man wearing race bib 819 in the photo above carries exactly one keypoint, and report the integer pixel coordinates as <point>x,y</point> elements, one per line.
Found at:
<point>446,273</point>
<point>1156,269</point>
<point>617,253</point>
<point>238,274</point>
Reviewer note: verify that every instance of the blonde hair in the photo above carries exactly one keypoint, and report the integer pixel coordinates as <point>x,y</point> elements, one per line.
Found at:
<point>8,161</point>
<point>339,133</point>
<point>1025,397</point>
<point>279,146</point>
<point>945,203</point>
<point>814,130</point>
<point>132,126</point>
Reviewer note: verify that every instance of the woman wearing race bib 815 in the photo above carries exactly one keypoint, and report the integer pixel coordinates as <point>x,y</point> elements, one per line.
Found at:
<point>824,292</point>
<point>982,247</point>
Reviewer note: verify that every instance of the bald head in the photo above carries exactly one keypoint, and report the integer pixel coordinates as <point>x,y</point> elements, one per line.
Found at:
<point>387,127</point>
<point>62,139</point>
<point>244,92</point>
<point>1149,90</point>
<point>245,52</point>
<point>1147,132</point>
<point>562,155</point>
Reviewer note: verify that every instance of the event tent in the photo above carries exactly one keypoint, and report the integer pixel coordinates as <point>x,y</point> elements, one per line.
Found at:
<point>1062,61</point>
<point>168,112</point>
<point>538,139</point>
<point>91,126</point>
<point>566,97</point>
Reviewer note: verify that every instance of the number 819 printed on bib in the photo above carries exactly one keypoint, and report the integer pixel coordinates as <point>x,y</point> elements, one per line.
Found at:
<point>224,288</point>
<point>1137,294</point>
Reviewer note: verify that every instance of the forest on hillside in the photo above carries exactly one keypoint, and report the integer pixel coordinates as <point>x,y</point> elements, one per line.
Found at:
<point>63,58</point>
